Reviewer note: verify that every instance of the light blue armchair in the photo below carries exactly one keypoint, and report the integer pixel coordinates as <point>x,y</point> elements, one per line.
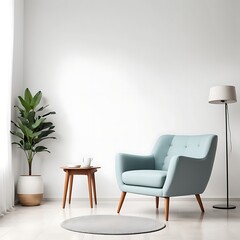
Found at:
<point>178,166</point>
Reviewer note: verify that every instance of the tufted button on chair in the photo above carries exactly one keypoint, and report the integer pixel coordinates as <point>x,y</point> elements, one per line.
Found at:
<point>179,165</point>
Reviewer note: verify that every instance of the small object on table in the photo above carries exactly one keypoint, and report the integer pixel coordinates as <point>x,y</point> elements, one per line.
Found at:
<point>87,161</point>
<point>73,166</point>
<point>70,172</point>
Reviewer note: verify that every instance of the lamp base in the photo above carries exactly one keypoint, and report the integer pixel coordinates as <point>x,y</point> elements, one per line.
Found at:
<point>224,206</point>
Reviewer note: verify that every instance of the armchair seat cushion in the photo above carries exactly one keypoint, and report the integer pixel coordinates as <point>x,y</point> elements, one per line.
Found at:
<point>145,178</point>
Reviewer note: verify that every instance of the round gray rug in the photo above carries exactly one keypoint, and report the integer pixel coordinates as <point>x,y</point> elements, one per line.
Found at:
<point>112,225</point>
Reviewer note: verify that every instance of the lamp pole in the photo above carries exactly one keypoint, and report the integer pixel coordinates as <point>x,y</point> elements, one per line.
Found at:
<point>223,206</point>
<point>223,95</point>
<point>226,144</point>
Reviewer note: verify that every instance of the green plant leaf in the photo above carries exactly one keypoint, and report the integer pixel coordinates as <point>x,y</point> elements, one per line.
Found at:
<point>38,122</point>
<point>40,149</point>
<point>15,124</point>
<point>48,114</point>
<point>20,146</point>
<point>16,143</point>
<point>23,120</point>
<point>38,140</point>
<point>19,109</point>
<point>18,134</point>
<point>31,117</point>
<point>44,125</point>
<point>42,108</point>
<point>27,146</point>
<point>46,133</point>
<point>25,104</point>
<point>36,100</point>
<point>46,151</point>
<point>35,134</point>
<point>26,131</point>
<point>28,96</point>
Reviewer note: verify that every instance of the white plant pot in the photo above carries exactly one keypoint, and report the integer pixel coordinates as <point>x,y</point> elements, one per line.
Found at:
<point>30,190</point>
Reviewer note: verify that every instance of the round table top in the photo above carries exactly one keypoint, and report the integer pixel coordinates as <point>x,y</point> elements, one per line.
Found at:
<point>79,167</point>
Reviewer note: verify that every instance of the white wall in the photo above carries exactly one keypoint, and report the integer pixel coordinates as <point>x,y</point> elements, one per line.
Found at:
<point>121,73</point>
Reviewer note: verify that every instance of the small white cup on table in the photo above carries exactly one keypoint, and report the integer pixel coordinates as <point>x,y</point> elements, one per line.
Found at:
<point>87,161</point>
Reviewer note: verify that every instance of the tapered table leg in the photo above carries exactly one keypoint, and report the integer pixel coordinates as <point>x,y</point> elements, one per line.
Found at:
<point>90,189</point>
<point>94,188</point>
<point>65,189</point>
<point>70,189</point>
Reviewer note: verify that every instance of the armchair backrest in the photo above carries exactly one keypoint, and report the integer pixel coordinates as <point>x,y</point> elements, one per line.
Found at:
<point>196,146</point>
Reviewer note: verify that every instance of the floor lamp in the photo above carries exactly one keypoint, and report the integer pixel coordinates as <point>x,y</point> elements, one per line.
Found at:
<point>224,95</point>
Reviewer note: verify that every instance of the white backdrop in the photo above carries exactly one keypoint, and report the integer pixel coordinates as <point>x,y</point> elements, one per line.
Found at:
<point>121,73</point>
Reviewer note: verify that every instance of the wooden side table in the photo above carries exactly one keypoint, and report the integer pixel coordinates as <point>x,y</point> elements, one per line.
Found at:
<point>70,172</point>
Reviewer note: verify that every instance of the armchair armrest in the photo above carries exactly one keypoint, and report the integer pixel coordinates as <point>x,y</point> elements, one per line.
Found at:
<point>126,162</point>
<point>187,176</point>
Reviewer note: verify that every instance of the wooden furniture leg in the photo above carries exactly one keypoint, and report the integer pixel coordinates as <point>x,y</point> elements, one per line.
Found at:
<point>90,189</point>
<point>200,202</point>
<point>157,202</point>
<point>121,201</point>
<point>65,189</point>
<point>70,189</point>
<point>167,199</point>
<point>94,188</point>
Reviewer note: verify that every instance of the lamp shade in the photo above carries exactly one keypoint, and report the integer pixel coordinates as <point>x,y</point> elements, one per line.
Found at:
<point>222,94</point>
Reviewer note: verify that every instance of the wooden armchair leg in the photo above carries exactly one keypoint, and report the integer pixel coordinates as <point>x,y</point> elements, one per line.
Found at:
<point>166,200</point>
<point>200,202</point>
<point>157,202</point>
<point>121,201</point>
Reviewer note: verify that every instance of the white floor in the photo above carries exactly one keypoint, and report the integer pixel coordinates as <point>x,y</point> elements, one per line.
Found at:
<point>185,220</point>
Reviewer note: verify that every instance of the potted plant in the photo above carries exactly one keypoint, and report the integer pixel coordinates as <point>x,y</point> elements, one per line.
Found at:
<point>32,128</point>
